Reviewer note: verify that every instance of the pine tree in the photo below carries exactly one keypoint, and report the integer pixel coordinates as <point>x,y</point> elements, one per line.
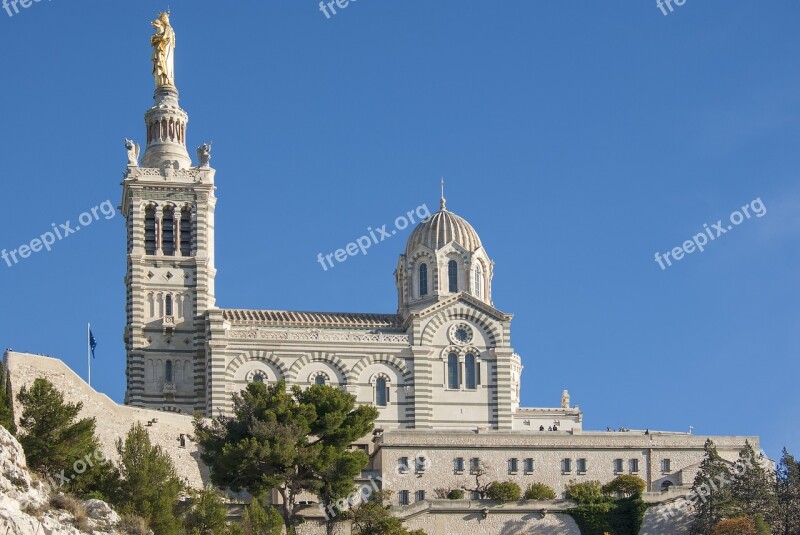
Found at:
<point>207,513</point>
<point>256,520</point>
<point>6,402</point>
<point>753,486</point>
<point>711,491</point>
<point>150,485</point>
<point>59,446</point>
<point>787,519</point>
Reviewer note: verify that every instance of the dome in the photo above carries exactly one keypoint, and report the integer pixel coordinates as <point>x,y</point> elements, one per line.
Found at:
<point>442,228</point>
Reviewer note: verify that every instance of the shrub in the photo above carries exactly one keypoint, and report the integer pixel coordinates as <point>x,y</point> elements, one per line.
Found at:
<point>735,526</point>
<point>257,520</point>
<point>133,525</point>
<point>207,513</point>
<point>539,491</point>
<point>506,491</point>
<point>625,485</point>
<point>70,504</point>
<point>584,493</point>
<point>455,494</point>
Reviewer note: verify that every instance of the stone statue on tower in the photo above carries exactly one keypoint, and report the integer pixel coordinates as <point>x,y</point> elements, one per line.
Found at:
<point>163,43</point>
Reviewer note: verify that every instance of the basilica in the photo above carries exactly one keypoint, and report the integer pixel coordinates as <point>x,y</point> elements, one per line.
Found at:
<point>441,369</point>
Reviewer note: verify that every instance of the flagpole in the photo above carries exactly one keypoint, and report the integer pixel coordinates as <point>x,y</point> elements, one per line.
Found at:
<point>89,350</point>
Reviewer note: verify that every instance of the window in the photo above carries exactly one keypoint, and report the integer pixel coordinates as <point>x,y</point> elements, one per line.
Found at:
<point>513,466</point>
<point>423,280</point>
<point>403,497</point>
<point>258,378</point>
<point>319,380</point>
<point>458,464</point>
<point>474,464</point>
<point>149,230</point>
<point>618,466</point>
<point>452,275</point>
<point>478,280</point>
<point>528,465</point>
<point>168,371</point>
<point>168,232</point>
<point>422,464</point>
<point>452,371</point>
<point>403,464</point>
<point>420,495</point>
<point>381,392</point>
<point>566,465</point>
<point>634,465</point>
<point>186,232</point>
<point>469,369</point>
<point>168,306</point>
<point>666,465</point>
<point>476,495</point>
<point>582,465</point>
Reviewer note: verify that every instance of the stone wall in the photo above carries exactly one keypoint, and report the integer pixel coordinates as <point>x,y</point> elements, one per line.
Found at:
<point>113,420</point>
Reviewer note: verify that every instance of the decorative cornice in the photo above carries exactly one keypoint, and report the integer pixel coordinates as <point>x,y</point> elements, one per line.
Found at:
<point>290,318</point>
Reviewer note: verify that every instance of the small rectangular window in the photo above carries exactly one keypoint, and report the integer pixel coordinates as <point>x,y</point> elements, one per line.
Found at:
<point>403,464</point>
<point>422,464</point>
<point>513,466</point>
<point>582,465</point>
<point>666,465</point>
<point>566,465</point>
<point>618,466</point>
<point>634,465</point>
<point>420,495</point>
<point>528,465</point>
<point>403,497</point>
<point>476,495</point>
<point>474,464</point>
<point>459,464</point>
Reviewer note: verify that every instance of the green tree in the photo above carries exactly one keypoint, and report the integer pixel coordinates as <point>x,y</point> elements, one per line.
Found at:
<point>61,447</point>
<point>505,491</point>
<point>625,485</point>
<point>753,485</point>
<point>712,490</point>
<point>6,401</point>
<point>372,517</point>
<point>588,492</point>
<point>292,442</point>
<point>149,487</point>
<point>455,494</point>
<point>257,520</point>
<point>787,517</point>
<point>207,513</point>
<point>539,491</point>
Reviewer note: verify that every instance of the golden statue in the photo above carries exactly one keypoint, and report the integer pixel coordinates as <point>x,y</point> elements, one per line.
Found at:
<point>163,43</point>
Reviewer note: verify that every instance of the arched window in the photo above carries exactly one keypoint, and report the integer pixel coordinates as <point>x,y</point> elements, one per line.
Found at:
<point>470,375</point>
<point>258,378</point>
<point>150,230</point>
<point>423,280</point>
<point>452,371</point>
<point>168,231</point>
<point>452,275</point>
<point>381,392</point>
<point>186,232</point>
<point>319,379</point>
<point>168,372</point>
<point>478,280</point>
<point>168,306</point>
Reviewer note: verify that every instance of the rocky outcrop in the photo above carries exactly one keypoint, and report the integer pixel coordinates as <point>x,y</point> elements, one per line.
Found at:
<point>25,502</point>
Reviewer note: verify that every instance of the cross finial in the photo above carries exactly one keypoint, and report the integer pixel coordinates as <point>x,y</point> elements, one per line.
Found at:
<point>442,201</point>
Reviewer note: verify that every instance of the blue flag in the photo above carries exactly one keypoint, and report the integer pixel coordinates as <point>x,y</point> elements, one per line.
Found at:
<point>92,342</point>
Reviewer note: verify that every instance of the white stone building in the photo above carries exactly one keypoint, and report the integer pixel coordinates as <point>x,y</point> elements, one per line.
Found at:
<point>441,370</point>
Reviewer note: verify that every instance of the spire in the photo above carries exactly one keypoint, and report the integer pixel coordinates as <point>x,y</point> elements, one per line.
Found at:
<point>442,200</point>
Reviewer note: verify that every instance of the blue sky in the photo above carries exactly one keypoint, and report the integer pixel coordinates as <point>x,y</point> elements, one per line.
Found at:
<point>578,138</point>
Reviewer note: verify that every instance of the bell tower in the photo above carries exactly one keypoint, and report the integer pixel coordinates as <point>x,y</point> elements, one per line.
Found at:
<point>168,205</point>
